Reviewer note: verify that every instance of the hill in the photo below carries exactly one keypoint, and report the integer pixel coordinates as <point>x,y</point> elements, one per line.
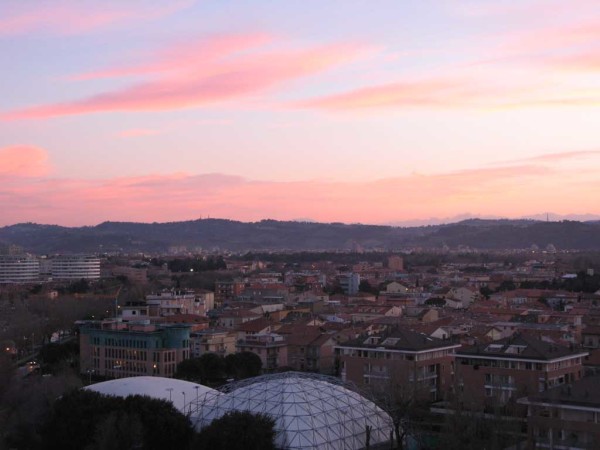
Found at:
<point>272,235</point>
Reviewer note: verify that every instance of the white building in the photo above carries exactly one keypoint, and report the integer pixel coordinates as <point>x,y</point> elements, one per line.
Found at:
<point>19,269</point>
<point>168,303</point>
<point>76,267</point>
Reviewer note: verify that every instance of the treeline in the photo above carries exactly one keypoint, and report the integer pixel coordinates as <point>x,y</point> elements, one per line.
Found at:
<point>212,369</point>
<point>192,264</point>
<point>82,419</point>
<point>582,283</point>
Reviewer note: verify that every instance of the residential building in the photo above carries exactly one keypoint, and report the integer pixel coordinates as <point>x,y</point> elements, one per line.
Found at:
<point>349,283</point>
<point>227,291</point>
<point>19,269</point>
<point>220,341</point>
<point>567,417</point>
<point>399,359</point>
<point>172,302</point>
<point>270,347</point>
<point>311,351</point>
<point>513,367</point>
<point>396,263</point>
<point>233,318</point>
<point>75,267</point>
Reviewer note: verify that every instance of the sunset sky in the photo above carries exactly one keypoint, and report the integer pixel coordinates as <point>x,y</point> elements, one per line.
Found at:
<point>355,111</point>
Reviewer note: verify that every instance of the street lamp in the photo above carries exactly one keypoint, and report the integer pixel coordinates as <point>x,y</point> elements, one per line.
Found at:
<point>183,401</point>
<point>170,390</point>
<point>196,387</point>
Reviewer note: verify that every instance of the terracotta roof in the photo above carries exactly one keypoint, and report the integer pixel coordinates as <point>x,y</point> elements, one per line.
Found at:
<point>185,318</point>
<point>254,326</point>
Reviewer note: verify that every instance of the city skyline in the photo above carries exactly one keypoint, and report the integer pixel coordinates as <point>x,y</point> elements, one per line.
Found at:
<point>146,111</point>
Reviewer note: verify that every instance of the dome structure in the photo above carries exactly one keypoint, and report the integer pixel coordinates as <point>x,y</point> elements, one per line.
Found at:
<point>310,411</point>
<point>179,392</point>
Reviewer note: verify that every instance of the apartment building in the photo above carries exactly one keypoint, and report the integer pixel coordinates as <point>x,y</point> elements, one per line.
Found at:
<point>19,269</point>
<point>173,302</point>
<point>399,359</point>
<point>270,347</point>
<point>75,267</point>
<point>218,341</point>
<point>514,367</point>
<point>227,291</point>
<point>567,417</point>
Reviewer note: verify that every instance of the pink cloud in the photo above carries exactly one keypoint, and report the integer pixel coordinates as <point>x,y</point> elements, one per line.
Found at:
<point>583,62</point>
<point>443,92</point>
<point>66,17</point>
<point>554,157</point>
<point>504,191</point>
<point>137,132</point>
<point>23,161</point>
<point>403,94</point>
<point>552,38</point>
<point>184,56</point>
<point>220,82</point>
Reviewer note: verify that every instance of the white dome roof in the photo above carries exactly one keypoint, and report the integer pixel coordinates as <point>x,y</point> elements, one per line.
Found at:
<point>156,387</point>
<point>310,411</point>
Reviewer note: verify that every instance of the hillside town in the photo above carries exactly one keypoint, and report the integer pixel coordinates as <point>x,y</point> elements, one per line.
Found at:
<point>514,335</point>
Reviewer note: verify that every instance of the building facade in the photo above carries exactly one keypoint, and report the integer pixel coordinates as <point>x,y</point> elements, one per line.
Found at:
<point>566,417</point>
<point>117,350</point>
<point>221,342</point>
<point>75,267</point>
<point>19,269</point>
<point>399,360</point>
<point>270,347</point>
<point>514,367</point>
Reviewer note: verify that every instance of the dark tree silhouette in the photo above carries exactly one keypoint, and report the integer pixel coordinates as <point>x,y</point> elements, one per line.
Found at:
<point>243,365</point>
<point>237,430</point>
<point>208,368</point>
<point>82,418</point>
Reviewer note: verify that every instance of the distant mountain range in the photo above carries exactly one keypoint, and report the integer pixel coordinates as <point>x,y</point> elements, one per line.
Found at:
<point>272,235</point>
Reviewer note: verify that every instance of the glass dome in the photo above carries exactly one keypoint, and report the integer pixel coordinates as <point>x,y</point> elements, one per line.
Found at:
<point>310,411</point>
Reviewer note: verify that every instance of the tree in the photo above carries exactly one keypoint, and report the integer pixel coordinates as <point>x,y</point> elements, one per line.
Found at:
<point>209,368</point>
<point>26,404</point>
<point>119,430</point>
<point>52,355</point>
<point>486,292</point>
<point>85,419</point>
<point>506,285</point>
<point>365,286</point>
<point>238,430</point>
<point>243,365</point>
<point>435,301</point>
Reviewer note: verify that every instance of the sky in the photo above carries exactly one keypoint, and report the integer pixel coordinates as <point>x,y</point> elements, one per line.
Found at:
<point>387,112</point>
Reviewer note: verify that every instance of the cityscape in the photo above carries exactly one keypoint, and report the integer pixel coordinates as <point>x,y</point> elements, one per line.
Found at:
<point>299,225</point>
